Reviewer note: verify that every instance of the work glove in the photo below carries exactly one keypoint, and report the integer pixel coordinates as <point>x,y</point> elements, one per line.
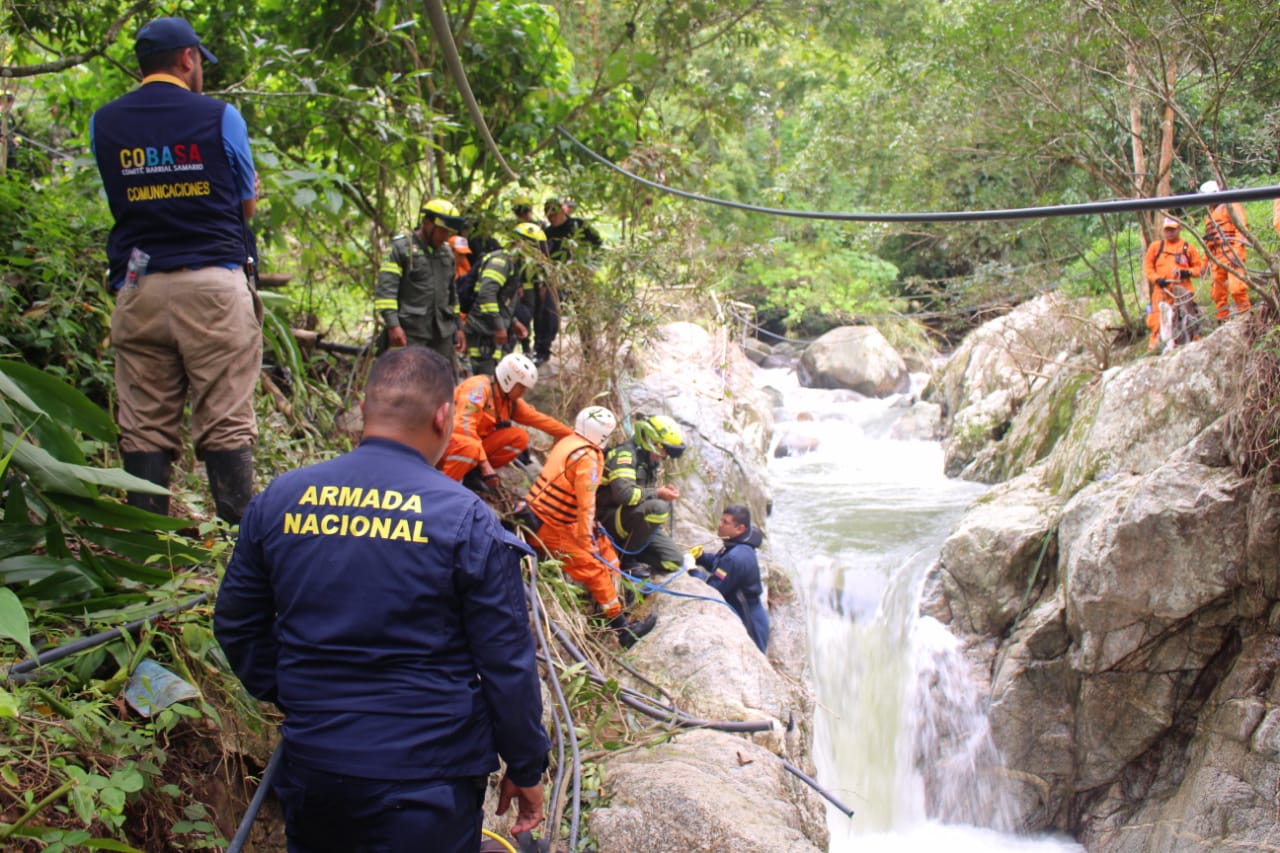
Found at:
<point>629,632</point>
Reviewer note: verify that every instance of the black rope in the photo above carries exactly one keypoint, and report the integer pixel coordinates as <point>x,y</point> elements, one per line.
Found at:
<point>21,671</point>
<point>1088,208</point>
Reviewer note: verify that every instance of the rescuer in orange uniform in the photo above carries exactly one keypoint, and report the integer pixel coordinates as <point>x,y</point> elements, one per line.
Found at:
<point>564,500</point>
<point>1169,263</point>
<point>484,436</point>
<point>1228,247</point>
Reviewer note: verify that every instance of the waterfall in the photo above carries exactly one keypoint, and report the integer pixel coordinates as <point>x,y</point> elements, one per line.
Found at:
<point>901,728</point>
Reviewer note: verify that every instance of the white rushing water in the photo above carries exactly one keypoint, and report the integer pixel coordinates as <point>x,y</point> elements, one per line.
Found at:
<point>860,519</point>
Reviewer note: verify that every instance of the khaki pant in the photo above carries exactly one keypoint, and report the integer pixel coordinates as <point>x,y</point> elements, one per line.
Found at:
<point>196,331</point>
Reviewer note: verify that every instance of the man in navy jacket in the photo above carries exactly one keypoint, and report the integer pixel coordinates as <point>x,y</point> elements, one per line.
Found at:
<point>735,571</point>
<point>379,604</point>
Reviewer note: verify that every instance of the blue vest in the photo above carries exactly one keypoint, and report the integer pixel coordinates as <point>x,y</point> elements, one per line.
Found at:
<point>168,180</point>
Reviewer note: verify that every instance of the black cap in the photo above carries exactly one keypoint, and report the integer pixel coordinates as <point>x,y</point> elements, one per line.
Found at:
<point>168,34</point>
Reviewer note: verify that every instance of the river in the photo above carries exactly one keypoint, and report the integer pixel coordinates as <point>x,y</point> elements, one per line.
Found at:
<point>861,519</point>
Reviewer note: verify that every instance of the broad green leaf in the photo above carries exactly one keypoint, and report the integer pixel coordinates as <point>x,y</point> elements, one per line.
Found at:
<point>109,513</point>
<point>13,621</point>
<point>49,473</point>
<point>111,604</point>
<point>142,546</point>
<point>10,709</point>
<point>31,568</point>
<point>108,844</point>
<point>118,478</point>
<point>19,538</point>
<point>82,801</point>
<point>14,392</point>
<point>63,403</point>
<point>72,583</point>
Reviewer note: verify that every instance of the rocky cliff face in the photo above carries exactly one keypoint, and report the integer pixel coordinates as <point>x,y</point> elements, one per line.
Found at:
<point>1118,590</point>
<point>709,790</point>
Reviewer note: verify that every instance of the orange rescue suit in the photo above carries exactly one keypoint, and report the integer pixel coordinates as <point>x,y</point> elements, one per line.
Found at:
<point>1229,249</point>
<point>564,498</point>
<point>483,428</point>
<point>1165,261</point>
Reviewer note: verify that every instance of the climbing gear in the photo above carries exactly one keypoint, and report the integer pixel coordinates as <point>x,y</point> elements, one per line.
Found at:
<point>442,213</point>
<point>514,369</point>
<point>595,423</point>
<point>230,480</point>
<point>152,466</point>
<point>660,431</point>
<point>529,231</point>
<point>629,632</point>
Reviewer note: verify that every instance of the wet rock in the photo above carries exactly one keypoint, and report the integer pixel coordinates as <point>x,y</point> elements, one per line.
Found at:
<point>854,357</point>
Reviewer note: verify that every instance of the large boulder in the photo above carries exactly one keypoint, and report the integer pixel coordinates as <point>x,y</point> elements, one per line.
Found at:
<point>704,791</point>
<point>854,357</point>
<point>1119,597</point>
<point>984,383</point>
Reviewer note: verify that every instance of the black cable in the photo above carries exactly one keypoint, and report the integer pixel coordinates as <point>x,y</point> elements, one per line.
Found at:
<point>260,795</point>
<point>1088,208</point>
<point>18,673</point>
<point>575,816</point>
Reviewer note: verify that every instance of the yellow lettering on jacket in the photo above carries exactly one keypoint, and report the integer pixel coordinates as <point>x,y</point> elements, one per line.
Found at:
<point>358,526</point>
<point>357,496</point>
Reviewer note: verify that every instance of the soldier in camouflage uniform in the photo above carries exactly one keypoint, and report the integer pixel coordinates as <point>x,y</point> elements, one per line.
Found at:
<point>415,294</point>
<point>506,278</point>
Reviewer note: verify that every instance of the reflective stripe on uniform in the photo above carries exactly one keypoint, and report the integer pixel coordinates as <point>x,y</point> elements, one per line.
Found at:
<point>391,267</point>
<point>386,304</point>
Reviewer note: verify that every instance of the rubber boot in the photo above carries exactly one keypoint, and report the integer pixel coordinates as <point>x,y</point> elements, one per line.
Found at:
<point>630,632</point>
<point>152,466</point>
<point>230,480</point>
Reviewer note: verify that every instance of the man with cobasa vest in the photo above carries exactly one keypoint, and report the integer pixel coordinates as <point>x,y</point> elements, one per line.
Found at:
<point>563,499</point>
<point>631,505</point>
<point>484,435</point>
<point>1228,249</point>
<point>379,604</point>
<point>415,293</point>
<point>180,181</point>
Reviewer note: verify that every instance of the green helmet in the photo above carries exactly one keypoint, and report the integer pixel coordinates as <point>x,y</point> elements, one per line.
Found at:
<point>442,213</point>
<point>659,431</point>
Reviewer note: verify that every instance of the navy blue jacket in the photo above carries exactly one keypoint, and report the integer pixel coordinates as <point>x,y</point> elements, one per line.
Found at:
<point>379,604</point>
<point>735,572</point>
<point>172,187</point>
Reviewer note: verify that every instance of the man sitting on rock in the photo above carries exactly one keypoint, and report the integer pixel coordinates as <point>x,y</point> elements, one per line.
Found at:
<point>735,572</point>
<point>631,506</point>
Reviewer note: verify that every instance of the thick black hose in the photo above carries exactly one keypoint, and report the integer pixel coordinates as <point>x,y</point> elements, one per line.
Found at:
<point>1088,208</point>
<point>575,815</point>
<point>19,671</point>
<point>251,813</point>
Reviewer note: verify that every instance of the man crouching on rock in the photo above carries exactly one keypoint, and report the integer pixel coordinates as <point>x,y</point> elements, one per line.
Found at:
<point>378,603</point>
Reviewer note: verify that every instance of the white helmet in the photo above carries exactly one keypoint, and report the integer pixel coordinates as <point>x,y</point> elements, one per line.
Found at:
<point>515,368</point>
<point>595,423</point>
<point>1209,187</point>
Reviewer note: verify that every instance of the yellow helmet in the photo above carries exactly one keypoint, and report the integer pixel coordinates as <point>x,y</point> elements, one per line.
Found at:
<point>529,231</point>
<point>660,431</point>
<point>522,202</point>
<point>442,213</point>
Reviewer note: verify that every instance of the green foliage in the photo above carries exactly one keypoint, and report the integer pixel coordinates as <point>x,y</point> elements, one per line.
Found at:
<point>54,311</point>
<point>804,283</point>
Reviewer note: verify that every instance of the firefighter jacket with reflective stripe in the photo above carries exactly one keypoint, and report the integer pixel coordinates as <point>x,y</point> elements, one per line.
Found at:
<point>565,491</point>
<point>629,475</point>
<point>481,407</point>
<point>503,280</point>
<point>415,288</point>
<point>380,605</point>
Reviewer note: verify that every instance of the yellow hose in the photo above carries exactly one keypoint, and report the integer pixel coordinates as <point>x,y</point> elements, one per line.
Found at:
<point>500,840</point>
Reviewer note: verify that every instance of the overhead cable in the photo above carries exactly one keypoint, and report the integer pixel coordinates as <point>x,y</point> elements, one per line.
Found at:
<point>1089,208</point>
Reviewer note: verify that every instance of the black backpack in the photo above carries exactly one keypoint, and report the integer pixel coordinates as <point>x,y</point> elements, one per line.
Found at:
<point>467,289</point>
